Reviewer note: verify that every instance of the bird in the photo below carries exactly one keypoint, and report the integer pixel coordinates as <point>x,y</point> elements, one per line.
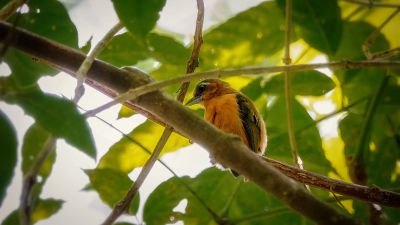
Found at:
<point>232,112</point>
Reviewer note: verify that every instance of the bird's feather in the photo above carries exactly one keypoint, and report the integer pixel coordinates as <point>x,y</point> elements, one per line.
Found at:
<point>250,122</point>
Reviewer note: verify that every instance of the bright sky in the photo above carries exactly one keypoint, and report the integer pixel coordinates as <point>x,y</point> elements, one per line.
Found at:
<point>67,179</point>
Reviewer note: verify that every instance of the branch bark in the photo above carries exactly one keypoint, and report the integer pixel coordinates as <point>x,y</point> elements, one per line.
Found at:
<point>364,193</point>
<point>183,120</point>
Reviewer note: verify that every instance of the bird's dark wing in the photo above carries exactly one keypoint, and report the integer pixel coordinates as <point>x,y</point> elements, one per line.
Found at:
<point>250,121</point>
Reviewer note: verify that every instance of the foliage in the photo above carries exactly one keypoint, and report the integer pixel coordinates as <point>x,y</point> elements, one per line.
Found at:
<point>366,134</point>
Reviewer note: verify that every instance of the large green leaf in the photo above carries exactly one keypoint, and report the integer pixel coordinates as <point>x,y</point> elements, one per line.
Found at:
<point>353,37</point>
<point>112,187</point>
<point>125,50</point>
<point>215,188</point>
<point>303,83</point>
<point>46,18</point>
<point>138,16</point>
<point>308,140</point>
<point>125,155</point>
<point>57,115</point>
<point>34,140</point>
<point>319,23</point>
<point>167,50</point>
<point>8,152</point>
<point>246,39</point>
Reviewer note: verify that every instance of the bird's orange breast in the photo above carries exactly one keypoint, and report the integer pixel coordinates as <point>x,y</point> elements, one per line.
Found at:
<point>223,112</point>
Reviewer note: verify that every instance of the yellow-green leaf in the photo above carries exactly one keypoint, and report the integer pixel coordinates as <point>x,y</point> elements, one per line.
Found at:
<point>125,112</point>
<point>128,153</point>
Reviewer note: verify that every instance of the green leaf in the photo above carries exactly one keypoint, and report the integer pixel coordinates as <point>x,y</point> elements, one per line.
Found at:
<point>319,23</point>
<point>353,37</point>
<point>138,16</point>
<point>254,89</point>
<point>12,219</point>
<point>112,187</point>
<point>306,83</point>
<point>308,140</point>
<point>125,112</point>
<point>87,46</point>
<point>167,50</point>
<point>246,39</point>
<point>126,155</point>
<point>45,208</point>
<point>57,115</point>
<point>361,83</point>
<point>8,152</point>
<point>125,50</point>
<point>123,223</point>
<point>46,18</point>
<point>215,188</point>
<point>34,140</point>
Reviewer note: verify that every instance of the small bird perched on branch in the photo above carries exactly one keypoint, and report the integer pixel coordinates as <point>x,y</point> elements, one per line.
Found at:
<point>232,112</point>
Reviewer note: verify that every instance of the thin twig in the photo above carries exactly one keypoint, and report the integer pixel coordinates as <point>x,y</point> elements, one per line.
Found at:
<point>192,64</point>
<point>155,86</point>
<point>9,9</point>
<point>364,193</point>
<point>29,182</point>
<point>122,206</point>
<point>374,35</point>
<point>327,116</point>
<point>87,63</point>
<point>194,58</point>
<point>373,4</point>
<point>386,54</point>
<point>288,88</point>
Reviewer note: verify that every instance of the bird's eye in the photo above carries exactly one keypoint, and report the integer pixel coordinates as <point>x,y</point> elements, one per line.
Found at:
<point>201,88</point>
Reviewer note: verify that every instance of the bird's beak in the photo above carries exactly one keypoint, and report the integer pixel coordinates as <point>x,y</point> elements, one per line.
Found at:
<point>194,100</point>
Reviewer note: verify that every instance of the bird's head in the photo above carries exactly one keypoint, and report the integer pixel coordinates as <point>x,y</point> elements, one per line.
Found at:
<point>208,89</point>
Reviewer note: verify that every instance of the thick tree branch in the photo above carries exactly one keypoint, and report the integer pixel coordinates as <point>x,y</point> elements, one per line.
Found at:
<point>183,120</point>
<point>374,4</point>
<point>364,193</point>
